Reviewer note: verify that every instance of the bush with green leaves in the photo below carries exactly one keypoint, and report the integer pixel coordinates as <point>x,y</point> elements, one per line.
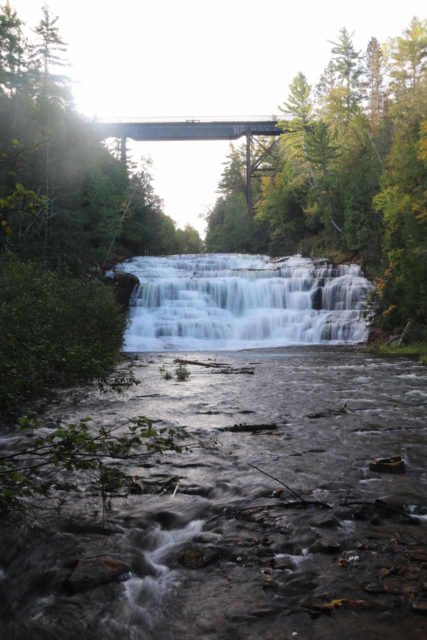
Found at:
<point>182,372</point>
<point>54,331</point>
<point>43,454</point>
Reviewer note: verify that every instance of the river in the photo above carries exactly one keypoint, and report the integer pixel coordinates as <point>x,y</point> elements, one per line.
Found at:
<point>218,550</point>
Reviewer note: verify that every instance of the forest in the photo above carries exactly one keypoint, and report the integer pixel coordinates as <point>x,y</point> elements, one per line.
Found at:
<point>69,210</point>
<point>347,179</point>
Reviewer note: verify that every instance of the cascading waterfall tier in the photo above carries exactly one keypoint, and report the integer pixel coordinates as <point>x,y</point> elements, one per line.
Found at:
<point>238,301</point>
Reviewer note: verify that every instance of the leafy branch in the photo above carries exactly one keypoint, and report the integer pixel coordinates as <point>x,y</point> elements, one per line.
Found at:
<point>29,471</point>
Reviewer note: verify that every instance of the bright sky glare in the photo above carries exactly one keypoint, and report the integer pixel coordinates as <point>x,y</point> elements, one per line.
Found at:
<point>195,58</point>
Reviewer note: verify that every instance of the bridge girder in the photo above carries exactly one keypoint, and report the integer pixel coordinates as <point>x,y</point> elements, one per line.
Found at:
<point>193,130</point>
<point>188,130</point>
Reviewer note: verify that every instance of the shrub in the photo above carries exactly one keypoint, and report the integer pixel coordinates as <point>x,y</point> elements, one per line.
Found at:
<point>182,372</point>
<point>54,331</point>
<point>166,375</point>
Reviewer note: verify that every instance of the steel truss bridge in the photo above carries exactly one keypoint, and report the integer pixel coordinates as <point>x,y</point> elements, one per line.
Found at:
<point>170,129</point>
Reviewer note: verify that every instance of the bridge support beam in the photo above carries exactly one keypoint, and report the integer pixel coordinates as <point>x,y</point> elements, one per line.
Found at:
<point>248,173</point>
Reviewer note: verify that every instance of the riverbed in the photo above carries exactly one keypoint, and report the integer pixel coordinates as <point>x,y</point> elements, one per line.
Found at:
<point>280,532</point>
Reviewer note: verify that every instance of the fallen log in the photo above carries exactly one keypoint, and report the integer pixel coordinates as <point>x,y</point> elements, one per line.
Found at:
<point>249,370</point>
<point>251,428</point>
<point>210,365</point>
<point>328,412</point>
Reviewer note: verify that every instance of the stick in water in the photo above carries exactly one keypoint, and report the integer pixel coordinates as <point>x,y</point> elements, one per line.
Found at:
<point>294,493</point>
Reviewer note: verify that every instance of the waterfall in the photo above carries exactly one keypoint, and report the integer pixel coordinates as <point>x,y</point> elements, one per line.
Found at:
<point>238,301</point>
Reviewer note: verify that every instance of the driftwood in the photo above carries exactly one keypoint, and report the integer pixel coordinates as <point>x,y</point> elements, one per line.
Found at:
<point>209,365</point>
<point>398,339</point>
<point>220,367</point>
<point>328,412</point>
<point>287,487</point>
<point>249,370</point>
<point>251,428</point>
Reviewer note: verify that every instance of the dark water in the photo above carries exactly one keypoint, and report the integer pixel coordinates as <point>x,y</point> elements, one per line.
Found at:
<point>219,555</point>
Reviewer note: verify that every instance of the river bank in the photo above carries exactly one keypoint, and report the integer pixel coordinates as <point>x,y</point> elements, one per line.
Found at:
<point>206,544</point>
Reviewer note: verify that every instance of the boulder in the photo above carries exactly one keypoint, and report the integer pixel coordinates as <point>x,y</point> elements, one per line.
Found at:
<point>198,556</point>
<point>395,464</point>
<point>91,572</point>
<point>123,285</point>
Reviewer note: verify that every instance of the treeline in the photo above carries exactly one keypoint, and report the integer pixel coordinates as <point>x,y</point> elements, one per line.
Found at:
<point>68,210</point>
<point>348,177</point>
<point>64,198</point>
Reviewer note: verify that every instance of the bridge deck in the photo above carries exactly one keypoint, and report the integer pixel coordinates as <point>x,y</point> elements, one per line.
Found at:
<point>188,130</point>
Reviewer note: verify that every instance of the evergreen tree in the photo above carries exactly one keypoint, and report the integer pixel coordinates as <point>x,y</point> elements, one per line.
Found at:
<point>47,57</point>
<point>12,49</point>
<point>374,84</point>
<point>409,58</point>
<point>299,105</point>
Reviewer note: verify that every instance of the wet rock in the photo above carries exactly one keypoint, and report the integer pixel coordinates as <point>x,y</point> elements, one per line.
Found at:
<point>269,578</point>
<point>206,537</point>
<point>167,519</point>
<point>198,557</point>
<point>325,521</point>
<point>420,606</point>
<point>92,572</point>
<point>284,562</point>
<point>418,554</point>
<point>375,587</point>
<point>344,513</point>
<point>392,585</point>
<point>395,464</point>
<point>329,545</point>
<point>123,285</point>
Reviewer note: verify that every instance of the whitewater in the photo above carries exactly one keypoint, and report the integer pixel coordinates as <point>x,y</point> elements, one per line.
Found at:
<point>240,301</point>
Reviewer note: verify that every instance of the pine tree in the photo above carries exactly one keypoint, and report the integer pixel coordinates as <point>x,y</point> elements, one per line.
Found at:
<point>409,57</point>
<point>12,48</point>
<point>47,57</point>
<point>299,105</point>
<point>346,62</point>
<point>374,83</point>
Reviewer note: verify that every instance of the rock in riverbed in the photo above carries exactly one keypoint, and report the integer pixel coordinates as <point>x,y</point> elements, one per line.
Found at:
<point>94,571</point>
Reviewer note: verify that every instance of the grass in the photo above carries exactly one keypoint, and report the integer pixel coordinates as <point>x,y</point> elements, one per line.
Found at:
<point>413,349</point>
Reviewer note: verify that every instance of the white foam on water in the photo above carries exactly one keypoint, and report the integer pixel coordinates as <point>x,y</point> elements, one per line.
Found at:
<point>145,596</point>
<point>239,301</point>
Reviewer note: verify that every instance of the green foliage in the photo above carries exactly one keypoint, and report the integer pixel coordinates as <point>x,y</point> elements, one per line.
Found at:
<point>349,176</point>
<point>414,349</point>
<point>53,331</point>
<point>64,198</point>
<point>299,104</point>
<point>188,240</point>
<point>166,375</point>
<point>41,456</point>
<point>182,372</point>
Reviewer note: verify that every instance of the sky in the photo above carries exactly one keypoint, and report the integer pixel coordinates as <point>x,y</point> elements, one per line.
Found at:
<point>194,58</point>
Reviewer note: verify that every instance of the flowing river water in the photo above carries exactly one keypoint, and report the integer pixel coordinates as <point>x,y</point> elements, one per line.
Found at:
<point>212,547</point>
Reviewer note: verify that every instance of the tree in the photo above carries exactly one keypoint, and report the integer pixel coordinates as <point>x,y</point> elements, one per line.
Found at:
<point>299,105</point>
<point>12,49</point>
<point>347,64</point>
<point>409,58</point>
<point>188,240</point>
<point>374,84</point>
<point>47,57</point>
<point>339,87</point>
